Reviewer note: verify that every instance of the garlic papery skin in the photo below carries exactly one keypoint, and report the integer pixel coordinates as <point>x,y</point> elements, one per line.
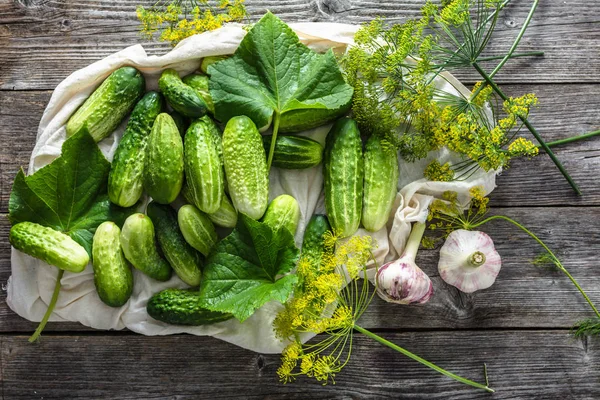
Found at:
<point>469,261</point>
<point>402,281</point>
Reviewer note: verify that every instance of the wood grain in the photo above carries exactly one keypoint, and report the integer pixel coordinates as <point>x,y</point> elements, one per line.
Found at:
<point>42,42</point>
<point>521,364</point>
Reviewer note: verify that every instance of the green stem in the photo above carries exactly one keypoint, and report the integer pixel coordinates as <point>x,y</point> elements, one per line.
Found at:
<point>557,261</point>
<point>44,320</point>
<point>414,240</point>
<point>526,54</point>
<point>573,139</point>
<point>276,119</point>
<point>422,360</point>
<point>535,133</point>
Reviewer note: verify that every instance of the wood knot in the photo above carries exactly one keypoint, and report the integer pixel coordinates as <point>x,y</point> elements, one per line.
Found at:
<point>330,8</point>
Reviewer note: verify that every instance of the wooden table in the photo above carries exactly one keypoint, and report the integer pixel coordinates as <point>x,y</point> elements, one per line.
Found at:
<point>519,327</point>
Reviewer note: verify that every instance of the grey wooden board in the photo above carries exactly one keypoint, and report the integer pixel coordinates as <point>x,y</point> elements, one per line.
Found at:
<point>519,326</point>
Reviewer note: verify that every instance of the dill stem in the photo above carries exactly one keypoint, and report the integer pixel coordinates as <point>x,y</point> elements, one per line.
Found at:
<point>573,139</point>
<point>526,54</point>
<point>53,301</point>
<point>554,258</point>
<point>421,360</point>
<point>535,133</point>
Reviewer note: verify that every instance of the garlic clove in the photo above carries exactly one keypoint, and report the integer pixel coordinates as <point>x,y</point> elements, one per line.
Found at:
<point>403,282</point>
<point>469,261</point>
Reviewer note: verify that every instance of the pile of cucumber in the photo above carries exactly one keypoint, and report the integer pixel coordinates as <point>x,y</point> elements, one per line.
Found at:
<point>183,154</point>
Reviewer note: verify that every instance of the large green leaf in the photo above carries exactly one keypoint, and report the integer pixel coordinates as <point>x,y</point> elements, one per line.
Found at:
<point>246,269</point>
<point>69,194</point>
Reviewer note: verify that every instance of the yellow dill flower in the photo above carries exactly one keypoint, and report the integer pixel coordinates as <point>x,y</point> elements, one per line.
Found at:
<point>523,147</point>
<point>325,368</point>
<point>438,172</point>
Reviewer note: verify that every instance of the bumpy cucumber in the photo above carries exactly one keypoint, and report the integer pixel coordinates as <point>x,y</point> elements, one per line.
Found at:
<point>139,247</point>
<point>182,122</point>
<point>246,167</point>
<point>294,152</point>
<point>226,216</point>
<point>112,273</point>
<point>283,211</point>
<point>200,84</point>
<point>49,245</point>
<point>210,60</point>
<point>181,97</point>
<point>381,184</point>
<point>303,119</point>
<point>344,175</point>
<point>163,164</point>
<point>182,257</point>
<point>181,307</point>
<point>197,228</point>
<point>104,110</point>
<point>313,244</point>
<point>125,178</point>
<point>203,168</point>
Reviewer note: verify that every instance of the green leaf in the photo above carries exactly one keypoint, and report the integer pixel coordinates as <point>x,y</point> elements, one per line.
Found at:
<point>243,272</point>
<point>69,194</point>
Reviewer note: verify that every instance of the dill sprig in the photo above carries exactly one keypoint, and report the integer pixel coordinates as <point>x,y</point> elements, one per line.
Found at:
<point>587,327</point>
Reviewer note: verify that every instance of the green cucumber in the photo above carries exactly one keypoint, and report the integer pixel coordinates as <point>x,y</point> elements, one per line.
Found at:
<point>163,164</point>
<point>104,110</point>
<point>200,84</point>
<point>246,167</point>
<point>112,274</point>
<point>283,212</point>
<point>125,178</point>
<point>139,247</point>
<point>210,60</point>
<point>49,245</point>
<point>197,229</point>
<point>181,97</point>
<point>294,152</point>
<point>181,307</point>
<point>182,122</point>
<point>182,257</point>
<point>344,175</point>
<point>226,216</point>
<point>203,167</point>
<point>313,244</point>
<point>380,186</point>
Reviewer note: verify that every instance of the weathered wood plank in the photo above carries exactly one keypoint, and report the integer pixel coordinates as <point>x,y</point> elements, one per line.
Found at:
<point>41,42</point>
<point>521,364</point>
<point>523,296</point>
<point>565,110</point>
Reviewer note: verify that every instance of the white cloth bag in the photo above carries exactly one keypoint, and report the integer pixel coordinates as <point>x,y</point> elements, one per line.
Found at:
<point>31,284</point>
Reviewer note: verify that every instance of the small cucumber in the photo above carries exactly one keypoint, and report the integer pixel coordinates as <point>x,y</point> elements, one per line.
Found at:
<point>181,97</point>
<point>344,175</point>
<point>210,60</point>
<point>283,211</point>
<point>203,167</point>
<point>381,184</point>
<point>182,257</point>
<point>49,245</point>
<point>197,229</point>
<point>112,273</point>
<point>313,244</point>
<point>163,164</point>
<point>246,167</point>
<point>181,307</point>
<point>125,178</point>
<point>104,110</point>
<point>226,216</point>
<point>200,84</point>
<point>294,152</point>
<point>182,122</point>
<point>139,246</point>
<point>304,119</point>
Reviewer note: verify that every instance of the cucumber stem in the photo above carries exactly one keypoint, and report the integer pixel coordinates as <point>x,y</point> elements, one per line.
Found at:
<point>42,325</point>
<point>276,118</point>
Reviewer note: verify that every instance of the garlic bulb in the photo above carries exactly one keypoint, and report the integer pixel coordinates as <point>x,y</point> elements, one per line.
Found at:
<point>402,281</point>
<point>469,261</point>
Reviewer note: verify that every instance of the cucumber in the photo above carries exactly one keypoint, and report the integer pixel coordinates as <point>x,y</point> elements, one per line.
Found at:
<point>163,164</point>
<point>181,307</point>
<point>380,185</point>
<point>294,152</point>
<point>200,84</point>
<point>344,175</point>
<point>226,216</point>
<point>203,167</point>
<point>197,229</point>
<point>283,212</point>
<point>49,245</point>
<point>246,167</point>
<point>182,257</point>
<point>139,247</point>
<point>182,122</point>
<point>304,119</point>
<point>104,110</point>
<point>313,244</point>
<point>112,274</point>
<point>210,60</point>
<point>182,98</point>
<point>125,177</point>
